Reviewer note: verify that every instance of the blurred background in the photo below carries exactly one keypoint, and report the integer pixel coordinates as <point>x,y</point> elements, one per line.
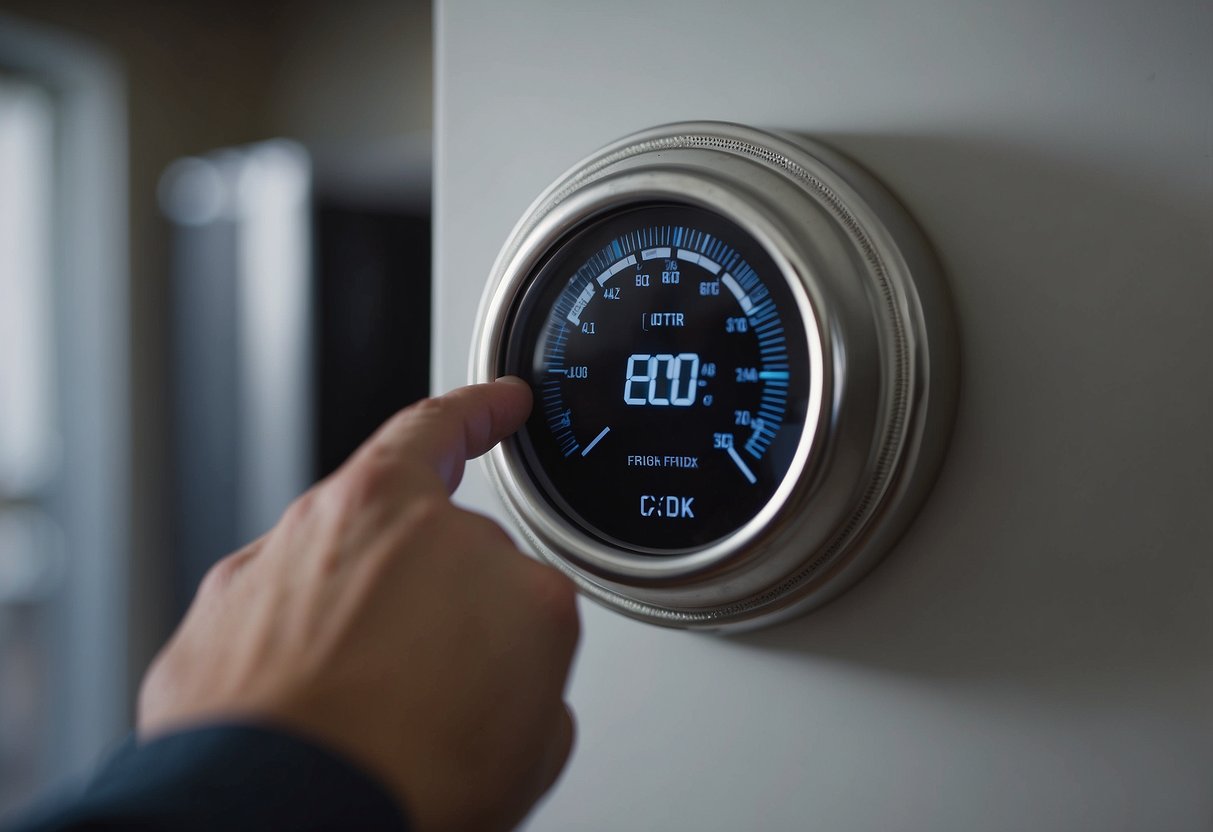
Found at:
<point>214,282</point>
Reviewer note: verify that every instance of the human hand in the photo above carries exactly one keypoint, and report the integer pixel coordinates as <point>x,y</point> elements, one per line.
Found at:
<point>380,620</point>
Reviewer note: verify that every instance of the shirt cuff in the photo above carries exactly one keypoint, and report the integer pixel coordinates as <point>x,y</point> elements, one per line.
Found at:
<point>234,777</point>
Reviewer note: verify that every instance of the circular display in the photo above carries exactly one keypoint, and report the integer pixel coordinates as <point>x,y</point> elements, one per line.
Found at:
<point>670,369</point>
<point>743,372</point>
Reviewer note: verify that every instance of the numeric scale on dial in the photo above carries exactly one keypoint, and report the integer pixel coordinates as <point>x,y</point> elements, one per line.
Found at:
<point>656,344</point>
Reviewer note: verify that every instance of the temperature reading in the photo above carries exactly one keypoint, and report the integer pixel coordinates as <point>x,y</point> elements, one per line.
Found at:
<point>663,379</point>
<point>691,318</point>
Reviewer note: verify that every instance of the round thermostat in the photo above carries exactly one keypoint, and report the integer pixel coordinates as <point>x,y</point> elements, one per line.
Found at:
<point>743,367</point>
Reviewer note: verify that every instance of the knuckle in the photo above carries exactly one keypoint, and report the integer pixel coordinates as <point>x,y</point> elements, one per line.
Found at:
<point>430,516</point>
<point>302,509</point>
<point>220,575</point>
<point>358,486</point>
<point>433,408</point>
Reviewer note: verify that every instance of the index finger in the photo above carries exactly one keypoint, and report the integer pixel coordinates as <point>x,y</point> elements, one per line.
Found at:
<point>441,433</point>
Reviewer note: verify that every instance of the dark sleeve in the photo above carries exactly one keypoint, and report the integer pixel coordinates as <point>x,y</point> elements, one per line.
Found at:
<point>229,777</point>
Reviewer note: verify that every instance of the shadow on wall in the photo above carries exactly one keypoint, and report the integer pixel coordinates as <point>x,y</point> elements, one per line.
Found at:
<point>1068,536</point>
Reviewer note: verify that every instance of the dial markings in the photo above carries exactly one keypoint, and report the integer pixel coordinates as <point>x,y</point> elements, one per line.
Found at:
<point>568,444</point>
<point>692,257</point>
<point>579,370</point>
<point>745,469</point>
<point>733,286</point>
<point>595,440</point>
<point>750,293</point>
<point>610,272</point>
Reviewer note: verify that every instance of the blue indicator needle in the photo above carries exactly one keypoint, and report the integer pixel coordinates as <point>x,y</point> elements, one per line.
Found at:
<point>766,375</point>
<point>596,440</point>
<point>745,469</point>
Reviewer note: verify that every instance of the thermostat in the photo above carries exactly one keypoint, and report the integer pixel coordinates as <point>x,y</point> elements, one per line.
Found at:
<point>743,368</point>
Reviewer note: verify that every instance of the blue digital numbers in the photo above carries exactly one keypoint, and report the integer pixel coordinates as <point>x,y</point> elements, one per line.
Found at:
<point>671,275</point>
<point>662,380</point>
<point>675,507</point>
<point>695,316</point>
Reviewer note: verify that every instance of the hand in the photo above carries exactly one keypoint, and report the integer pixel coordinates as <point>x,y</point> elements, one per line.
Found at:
<point>379,619</point>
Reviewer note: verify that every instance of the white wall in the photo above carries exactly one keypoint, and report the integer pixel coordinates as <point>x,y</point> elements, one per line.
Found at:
<point>1038,651</point>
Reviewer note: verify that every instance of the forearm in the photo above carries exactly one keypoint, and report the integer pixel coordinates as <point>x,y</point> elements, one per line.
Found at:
<point>231,777</point>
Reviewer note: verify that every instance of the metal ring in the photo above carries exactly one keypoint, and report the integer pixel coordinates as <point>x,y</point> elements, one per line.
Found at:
<point>881,353</point>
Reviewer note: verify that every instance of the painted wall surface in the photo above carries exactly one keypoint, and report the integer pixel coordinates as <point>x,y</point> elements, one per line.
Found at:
<point>1037,652</point>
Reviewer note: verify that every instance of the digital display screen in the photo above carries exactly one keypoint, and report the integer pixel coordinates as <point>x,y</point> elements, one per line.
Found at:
<point>670,369</point>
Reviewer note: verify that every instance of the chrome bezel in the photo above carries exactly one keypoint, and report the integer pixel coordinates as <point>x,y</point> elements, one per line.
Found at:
<point>789,195</point>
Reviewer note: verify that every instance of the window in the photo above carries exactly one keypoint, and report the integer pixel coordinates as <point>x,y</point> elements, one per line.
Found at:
<point>30,551</point>
<point>64,431</point>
